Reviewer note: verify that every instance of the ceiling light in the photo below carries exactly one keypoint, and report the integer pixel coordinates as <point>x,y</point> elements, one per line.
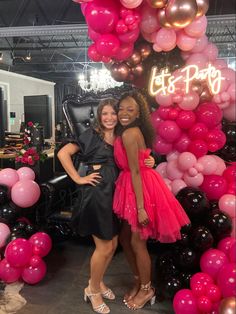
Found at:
<point>28,56</point>
<point>1,56</point>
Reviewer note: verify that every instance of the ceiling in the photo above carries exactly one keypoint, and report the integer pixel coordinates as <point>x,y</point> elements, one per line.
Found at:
<point>54,33</point>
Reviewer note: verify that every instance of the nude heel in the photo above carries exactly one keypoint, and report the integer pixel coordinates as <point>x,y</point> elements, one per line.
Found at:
<point>151,299</point>
<point>102,308</point>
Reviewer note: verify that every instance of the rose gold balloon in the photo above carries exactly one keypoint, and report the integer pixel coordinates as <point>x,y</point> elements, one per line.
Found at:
<point>137,70</point>
<point>109,64</point>
<point>180,13</point>
<point>145,50</point>
<point>205,95</point>
<point>203,6</point>
<point>228,306</point>
<point>157,4</point>
<point>197,87</point>
<point>161,14</point>
<point>134,59</point>
<point>120,72</point>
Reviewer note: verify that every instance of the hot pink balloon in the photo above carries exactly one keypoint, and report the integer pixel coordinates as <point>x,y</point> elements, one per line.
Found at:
<point>9,177</point>
<point>124,52</point>
<point>209,114</point>
<point>230,173</point>
<point>182,144</point>
<point>93,53</point>
<point>18,252</point>
<point>41,243</point>
<point>217,138</point>
<point>169,131</point>
<point>186,160</point>
<point>225,244</point>
<point>129,37</point>
<point>197,28</point>
<point>213,293</point>
<point>198,131</point>
<point>227,203</point>
<point>33,275</point>
<point>214,186</point>
<point>232,253</point>
<point>209,164</point>
<point>185,42</point>
<point>177,185</point>
<point>186,119</point>
<point>26,173</point>
<point>211,262</point>
<point>4,234</point>
<point>204,304</point>
<point>226,280</point>
<point>200,278</point>
<point>155,118</point>
<point>163,112</point>
<point>9,273</point>
<point>184,302</point>
<point>108,45</point>
<point>25,193</point>
<point>161,146</point>
<point>198,147</point>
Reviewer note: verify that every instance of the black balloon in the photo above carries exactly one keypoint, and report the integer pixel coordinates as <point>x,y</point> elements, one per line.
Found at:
<point>220,224</point>
<point>229,128</point>
<point>185,240</point>
<point>185,277</point>
<point>170,286</point>
<point>228,153</point>
<point>214,205</point>
<point>187,259</point>
<point>194,202</point>
<point>9,213</point>
<point>4,192</point>
<point>202,238</point>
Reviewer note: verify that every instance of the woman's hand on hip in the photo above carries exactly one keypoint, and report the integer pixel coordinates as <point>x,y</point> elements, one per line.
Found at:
<point>92,179</point>
<point>143,217</point>
<point>149,162</point>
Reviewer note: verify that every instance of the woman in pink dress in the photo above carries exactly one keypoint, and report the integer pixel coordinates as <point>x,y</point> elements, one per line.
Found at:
<point>141,199</point>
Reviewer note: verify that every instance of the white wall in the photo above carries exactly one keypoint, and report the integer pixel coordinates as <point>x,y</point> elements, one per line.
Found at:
<point>15,87</point>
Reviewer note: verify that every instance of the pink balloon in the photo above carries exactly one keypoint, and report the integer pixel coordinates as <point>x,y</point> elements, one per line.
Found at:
<point>182,143</point>
<point>18,252</point>
<point>209,114</point>
<point>172,170</point>
<point>186,160</point>
<point>197,28</point>
<point>193,181</point>
<point>229,75</point>
<point>184,302</point>
<point>41,243</point>
<point>211,262</point>
<point>155,118</point>
<point>93,53</point>
<point>217,138</point>
<point>9,273</point>
<point>166,39</point>
<point>185,42</point>
<point>208,163</point>
<point>213,293</point>
<point>107,45</point>
<point>198,148</point>
<point>149,22</point>
<point>227,203</point>
<point>204,304</point>
<point>4,234</point>
<point>161,169</point>
<point>232,253</point>
<point>169,131</point>
<point>9,177</point>
<point>163,112</point>
<point>211,52</point>
<point>25,193</point>
<point>172,155</point>
<point>186,119</point>
<point>200,44</point>
<point>25,173</point>
<point>33,275</point>
<point>230,173</point>
<point>164,100</point>
<point>198,59</point>
<point>200,278</point>
<point>214,186</point>
<point>177,185</point>
<point>190,101</point>
<point>161,146</point>
<point>102,16</point>
<point>226,280</point>
<point>220,165</point>
<point>124,52</point>
<point>220,64</point>
<point>232,91</point>
<point>229,113</point>
<point>129,37</point>
<point>198,131</point>
<point>225,244</point>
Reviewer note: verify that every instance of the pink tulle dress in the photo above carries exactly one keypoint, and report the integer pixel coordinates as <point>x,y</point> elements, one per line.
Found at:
<point>165,213</point>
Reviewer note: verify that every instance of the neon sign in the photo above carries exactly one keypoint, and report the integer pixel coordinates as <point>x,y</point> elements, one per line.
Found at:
<point>164,82</point>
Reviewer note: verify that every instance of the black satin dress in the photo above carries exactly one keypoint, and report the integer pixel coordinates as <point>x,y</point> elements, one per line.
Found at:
<point>93,213</point>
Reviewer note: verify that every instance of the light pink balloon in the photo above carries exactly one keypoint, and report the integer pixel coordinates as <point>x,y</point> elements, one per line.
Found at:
<point>172,155</point>
<point>198,59</point>
<point>161,169</point>
<point>26,173</point>
<point>190,101</point>
<point>166,39</point>
<point>164,100</point>
<point>177,185</point>
<point>25,193</point>
<point>200,44</point>
<point>227,203</point>
<point>185,42</point>
<point>149,22</point>
<point>211,52</point>
<point>4,234</point>
<point>230,113</point>
<point>173,171</point>
<point>232,91</point>
<point>225,244</point>
<point>209,164</point>
<point>131,4</point>
<point>229,75</point>
<point>197,28</point>
<point>193,181</point>
<point>220,64</point>
<point>221,166</point>
<point>186,160</point>
<point>9,177</point>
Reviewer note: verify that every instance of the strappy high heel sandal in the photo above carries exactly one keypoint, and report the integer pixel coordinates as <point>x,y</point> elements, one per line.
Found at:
<point>108,294</point>
<point>129,296</point>
<point>102,308</point>
<point>151,298</point>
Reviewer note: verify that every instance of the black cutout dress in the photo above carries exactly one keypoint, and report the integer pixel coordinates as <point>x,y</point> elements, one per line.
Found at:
<point>93,213</point>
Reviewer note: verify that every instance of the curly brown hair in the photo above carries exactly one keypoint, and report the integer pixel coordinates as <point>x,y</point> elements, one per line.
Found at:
<point>98,123</point>
<point>144,120</point>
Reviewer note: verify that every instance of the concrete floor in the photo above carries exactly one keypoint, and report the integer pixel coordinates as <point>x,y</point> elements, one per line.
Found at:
<point>61,291</point>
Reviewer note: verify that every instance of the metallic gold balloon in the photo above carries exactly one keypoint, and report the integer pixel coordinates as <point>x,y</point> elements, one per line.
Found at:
<point>157,4</point>
<point>137,70</point>
<point>203,6</point>
<point>205,95</point>
<point>180,13</point>
<point>161,14</point>
<point>197,87</point>
<point>144,49</point>
<point>120,72</point>
<point>228,306</point>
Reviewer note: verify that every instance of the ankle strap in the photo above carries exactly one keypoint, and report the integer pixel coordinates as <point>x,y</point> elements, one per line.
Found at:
<point>146,287</point>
